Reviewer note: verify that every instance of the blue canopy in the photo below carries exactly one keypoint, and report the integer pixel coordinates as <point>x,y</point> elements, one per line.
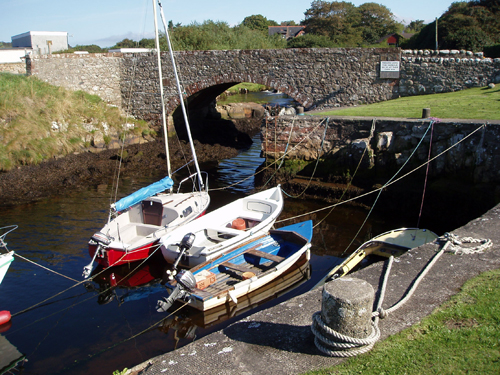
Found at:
<point>145,192</point>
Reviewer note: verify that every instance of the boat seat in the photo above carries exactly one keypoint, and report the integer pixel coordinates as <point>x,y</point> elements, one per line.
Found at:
<point>237,267</point>
<point>262,254</point>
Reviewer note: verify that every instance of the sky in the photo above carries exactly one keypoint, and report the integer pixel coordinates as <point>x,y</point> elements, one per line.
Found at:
<point>105,22</point>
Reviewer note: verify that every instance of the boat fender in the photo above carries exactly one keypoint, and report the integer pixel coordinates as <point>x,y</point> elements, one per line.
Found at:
<point>4,317</point>
<point>239,224</point>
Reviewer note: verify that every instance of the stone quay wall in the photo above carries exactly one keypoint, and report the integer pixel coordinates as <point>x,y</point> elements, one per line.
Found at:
<point>314,77</point>
<point>385,144</point>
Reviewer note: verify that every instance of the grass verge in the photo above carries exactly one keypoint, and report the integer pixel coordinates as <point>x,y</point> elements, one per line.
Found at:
<point>481,103</point>
<point>39,121</point>
<point>460,337</point>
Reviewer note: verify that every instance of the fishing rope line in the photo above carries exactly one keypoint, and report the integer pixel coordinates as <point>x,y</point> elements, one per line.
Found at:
<point>76,303</point>
<point>45,268</point>
<point>77,284</point>
<point>315,166</point>
<point>346,188</point>
<point>388,184</point>
<point>384,186</point>
<point>272,163</point>
<point>137,334</point>
<point>286,149</point>
<point>426,176</point>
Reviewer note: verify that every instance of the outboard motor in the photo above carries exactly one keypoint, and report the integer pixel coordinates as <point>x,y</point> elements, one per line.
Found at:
<point>185,285</point>
<point>185,245</point>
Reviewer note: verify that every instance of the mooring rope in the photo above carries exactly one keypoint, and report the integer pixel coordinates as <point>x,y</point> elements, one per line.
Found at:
<point>315,166</point>
<point>426,176</point>
<point>383,187</point>
<point>389,183</point>
<point>273,163</point>
<point>350,180</point>
<point>77,284</point>
<point>346,346</point>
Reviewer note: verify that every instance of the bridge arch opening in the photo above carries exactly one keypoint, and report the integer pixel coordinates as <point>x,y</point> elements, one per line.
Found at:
<point>208,125</point>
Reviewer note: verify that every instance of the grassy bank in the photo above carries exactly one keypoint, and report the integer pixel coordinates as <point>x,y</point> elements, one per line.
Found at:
<point>475,103</point>
<point>39,121</point>
<point>460,337</point>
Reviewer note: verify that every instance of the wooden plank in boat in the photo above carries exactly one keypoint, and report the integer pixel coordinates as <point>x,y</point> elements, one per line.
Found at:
<point>265,255</point>
<point>237,267</point>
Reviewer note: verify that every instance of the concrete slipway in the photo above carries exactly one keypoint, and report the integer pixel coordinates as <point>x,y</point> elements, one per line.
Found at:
<point>279,340</point>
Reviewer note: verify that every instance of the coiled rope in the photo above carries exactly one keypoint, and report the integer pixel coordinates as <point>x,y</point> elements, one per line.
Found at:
<point>334,344</point>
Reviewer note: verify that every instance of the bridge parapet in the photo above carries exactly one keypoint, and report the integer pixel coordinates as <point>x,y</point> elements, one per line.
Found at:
<point>314,77</point>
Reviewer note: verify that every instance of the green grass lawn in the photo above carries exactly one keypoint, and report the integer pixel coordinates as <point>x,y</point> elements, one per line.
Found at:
<point>476,103</point>
<point>460,337</point>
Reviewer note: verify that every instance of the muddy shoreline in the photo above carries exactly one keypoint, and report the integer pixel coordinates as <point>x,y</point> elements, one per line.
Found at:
<point>32,183</point>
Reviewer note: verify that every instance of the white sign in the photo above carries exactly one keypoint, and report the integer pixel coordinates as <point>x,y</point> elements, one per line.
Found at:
<point>389,66</point>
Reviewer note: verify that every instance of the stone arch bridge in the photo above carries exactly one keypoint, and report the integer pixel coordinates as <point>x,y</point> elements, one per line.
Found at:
<point>316,77</point>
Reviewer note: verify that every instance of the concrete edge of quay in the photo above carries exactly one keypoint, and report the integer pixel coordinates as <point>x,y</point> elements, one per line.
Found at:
<point>279,340</point>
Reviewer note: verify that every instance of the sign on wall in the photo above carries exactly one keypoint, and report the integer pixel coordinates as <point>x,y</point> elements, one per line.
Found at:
<point>389,69</point>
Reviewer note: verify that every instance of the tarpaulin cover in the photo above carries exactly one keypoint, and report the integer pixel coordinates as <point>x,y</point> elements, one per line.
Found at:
<point>146,192</point>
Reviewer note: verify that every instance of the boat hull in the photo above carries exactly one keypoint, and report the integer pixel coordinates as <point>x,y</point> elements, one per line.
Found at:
<point>219,231</point>
<point>250,267</point>
<point>5,261</point>
<point>133,235</point>
<point>111,257</point>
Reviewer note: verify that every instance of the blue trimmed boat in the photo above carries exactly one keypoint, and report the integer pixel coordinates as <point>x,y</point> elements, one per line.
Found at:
<point>241,270</point>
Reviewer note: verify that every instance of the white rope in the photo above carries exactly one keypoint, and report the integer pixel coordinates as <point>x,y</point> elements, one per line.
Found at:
<point>456,244</point>
<point>349,346</point>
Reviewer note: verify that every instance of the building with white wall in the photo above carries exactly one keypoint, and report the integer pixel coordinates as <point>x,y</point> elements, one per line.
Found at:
<point>42,42</point>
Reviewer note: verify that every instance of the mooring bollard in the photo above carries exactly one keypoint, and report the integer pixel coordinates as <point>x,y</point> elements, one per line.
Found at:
<point>426,113</point>
<point>344,326</point>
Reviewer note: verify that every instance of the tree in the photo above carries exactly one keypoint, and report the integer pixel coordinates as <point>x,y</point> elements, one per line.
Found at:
<point>258,22</point>
<point>376,21</point>
<point>415,26</point>
<point>126,43</point>
<point>469,25</point>
<point>336,20</point>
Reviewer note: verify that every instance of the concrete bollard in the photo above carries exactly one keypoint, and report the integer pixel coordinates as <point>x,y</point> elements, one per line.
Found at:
<point>347,306</point>
<point>426,113</point>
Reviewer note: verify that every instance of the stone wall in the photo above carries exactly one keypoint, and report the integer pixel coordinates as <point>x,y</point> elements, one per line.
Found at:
<point>96,73</point>
<point>15,68</point>
<point>428,72</point>
<point>315,77</point>
<point>385,144</point>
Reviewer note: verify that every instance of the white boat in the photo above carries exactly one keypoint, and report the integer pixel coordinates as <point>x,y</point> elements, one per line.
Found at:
<point>391,243</point>
<point>8,257</point>
<point>136,222</point>
<point>222,230</point>
<point>243,270</point>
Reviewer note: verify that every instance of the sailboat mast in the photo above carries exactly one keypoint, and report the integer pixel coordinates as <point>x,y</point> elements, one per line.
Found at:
<point>163,114</point>
<point>181,98</point>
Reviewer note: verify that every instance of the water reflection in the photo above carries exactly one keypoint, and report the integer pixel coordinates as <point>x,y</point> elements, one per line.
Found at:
<point>113,324</point>
<point>270,97</point>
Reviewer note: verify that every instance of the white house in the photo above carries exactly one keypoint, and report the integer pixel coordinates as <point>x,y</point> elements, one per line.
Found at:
<point>42,42</point>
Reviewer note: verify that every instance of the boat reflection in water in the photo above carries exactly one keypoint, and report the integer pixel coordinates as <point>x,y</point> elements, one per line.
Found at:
<point>132,282</point>
<point>129,282</point>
